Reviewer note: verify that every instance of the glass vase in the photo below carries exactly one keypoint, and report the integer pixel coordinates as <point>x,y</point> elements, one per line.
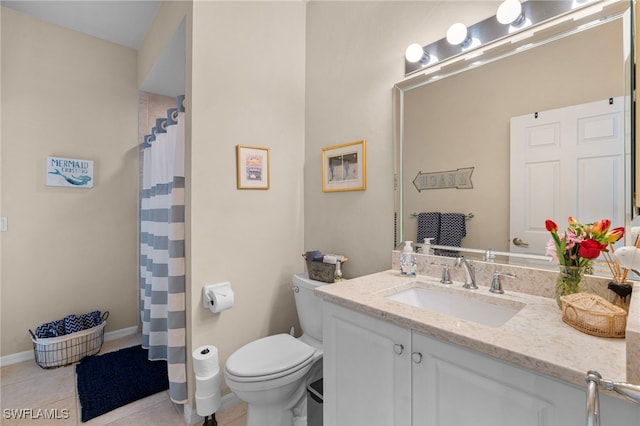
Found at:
<point>569,281</point>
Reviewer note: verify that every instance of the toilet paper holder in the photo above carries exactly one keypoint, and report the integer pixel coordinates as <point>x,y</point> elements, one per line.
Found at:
<point>210,292</point>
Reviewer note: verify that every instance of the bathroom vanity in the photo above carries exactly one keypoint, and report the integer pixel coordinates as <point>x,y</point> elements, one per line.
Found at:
<point>389,360</point>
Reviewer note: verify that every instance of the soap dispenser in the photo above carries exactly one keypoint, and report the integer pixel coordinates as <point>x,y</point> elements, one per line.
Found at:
<point>426,248</point>
<point>408,260</point>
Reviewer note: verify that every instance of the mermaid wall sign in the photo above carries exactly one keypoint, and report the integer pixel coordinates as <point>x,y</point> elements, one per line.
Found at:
<point>69,172</point>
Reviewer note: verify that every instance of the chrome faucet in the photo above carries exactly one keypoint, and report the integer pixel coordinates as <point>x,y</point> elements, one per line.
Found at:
<point>470,275</point>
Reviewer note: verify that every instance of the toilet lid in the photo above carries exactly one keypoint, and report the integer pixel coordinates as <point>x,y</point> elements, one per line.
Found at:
<point>269,355</point>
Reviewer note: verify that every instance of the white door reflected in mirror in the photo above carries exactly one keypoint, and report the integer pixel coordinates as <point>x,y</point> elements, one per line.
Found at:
<point>566,162</point>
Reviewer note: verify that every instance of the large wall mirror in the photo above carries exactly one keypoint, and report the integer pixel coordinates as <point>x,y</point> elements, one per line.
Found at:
<point>462,117</point>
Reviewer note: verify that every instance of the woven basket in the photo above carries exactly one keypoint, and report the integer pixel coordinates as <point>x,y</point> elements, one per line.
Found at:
<point>593,315</point>
<point>52,352</point>
<point>325,272</point>
<point>64,350</point>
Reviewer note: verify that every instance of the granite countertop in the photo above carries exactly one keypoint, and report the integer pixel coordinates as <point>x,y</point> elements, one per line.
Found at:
<point>535,338</point>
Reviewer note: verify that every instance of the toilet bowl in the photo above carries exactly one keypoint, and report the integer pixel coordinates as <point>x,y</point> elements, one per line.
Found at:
<point>271,374</point>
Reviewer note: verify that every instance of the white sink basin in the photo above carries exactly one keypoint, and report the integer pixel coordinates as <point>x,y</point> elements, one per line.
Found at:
<point>472,307</point>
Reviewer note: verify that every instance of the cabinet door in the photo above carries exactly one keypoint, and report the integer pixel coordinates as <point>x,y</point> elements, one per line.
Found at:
<point>455,386</point>
<point>367,370</point>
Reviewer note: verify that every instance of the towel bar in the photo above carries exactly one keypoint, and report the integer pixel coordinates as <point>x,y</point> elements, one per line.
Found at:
<point>467,216</point>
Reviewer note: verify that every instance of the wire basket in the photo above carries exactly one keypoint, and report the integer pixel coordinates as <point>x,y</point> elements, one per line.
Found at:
<point>320,271</point>
<point>593,315</point>
<point>52,352</point>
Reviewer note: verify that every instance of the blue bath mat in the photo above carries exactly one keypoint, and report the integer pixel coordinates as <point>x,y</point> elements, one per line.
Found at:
<point>109,381</point>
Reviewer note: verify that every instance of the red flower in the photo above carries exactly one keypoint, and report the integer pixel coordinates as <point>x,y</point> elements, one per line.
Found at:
<point>550,225</point>
<point>590,249</point>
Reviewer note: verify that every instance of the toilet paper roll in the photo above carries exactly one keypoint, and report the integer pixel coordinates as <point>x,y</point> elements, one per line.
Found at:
<point>221,298</point>
<point>205,361</point>
<point>208,385</point>
<point>207,405</point>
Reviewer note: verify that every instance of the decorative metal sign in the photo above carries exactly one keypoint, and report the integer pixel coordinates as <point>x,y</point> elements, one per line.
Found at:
<point>459,179</point>
<point>69,172</point>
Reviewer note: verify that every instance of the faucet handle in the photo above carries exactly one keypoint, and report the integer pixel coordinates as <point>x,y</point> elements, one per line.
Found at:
<point>446,278</point>
<point>496,284</point>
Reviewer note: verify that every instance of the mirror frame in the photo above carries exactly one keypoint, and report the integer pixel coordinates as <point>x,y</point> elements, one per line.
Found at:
<point>533,36</point>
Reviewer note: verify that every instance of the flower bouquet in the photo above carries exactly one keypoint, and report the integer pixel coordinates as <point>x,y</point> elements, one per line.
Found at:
<point>575,248</point>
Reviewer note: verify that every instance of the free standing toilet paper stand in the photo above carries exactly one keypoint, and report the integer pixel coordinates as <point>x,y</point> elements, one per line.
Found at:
<point>207,372</point>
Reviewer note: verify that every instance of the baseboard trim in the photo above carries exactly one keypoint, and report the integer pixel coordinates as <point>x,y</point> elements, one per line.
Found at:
<point>16,358</point>
<point>28,355</point>
<point>123,332</point>
<point>191,416</point>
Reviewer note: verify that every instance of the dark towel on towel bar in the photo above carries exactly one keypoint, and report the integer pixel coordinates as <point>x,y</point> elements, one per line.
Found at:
<point>452,231</point>
<point>428,227</point>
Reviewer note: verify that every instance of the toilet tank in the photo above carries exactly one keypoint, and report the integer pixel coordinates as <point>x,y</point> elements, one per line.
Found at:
<point>308,305</point>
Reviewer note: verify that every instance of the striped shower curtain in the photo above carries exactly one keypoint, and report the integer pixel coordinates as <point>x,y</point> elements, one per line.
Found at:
<point>162,263</point>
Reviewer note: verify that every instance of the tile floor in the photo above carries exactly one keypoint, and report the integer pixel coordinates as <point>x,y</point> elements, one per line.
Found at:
<point>27,386</point>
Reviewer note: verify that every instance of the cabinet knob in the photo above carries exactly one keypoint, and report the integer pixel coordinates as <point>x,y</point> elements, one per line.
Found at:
<point>416,357</point>
<point>398,348</point>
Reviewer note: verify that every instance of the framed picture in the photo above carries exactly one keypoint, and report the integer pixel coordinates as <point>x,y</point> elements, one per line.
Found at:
<point>252,167</point>
<point>344,167</point>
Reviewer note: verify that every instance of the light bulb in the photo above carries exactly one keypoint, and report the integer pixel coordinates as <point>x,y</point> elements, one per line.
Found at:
<point>414,53</point>
<point>457,34</point>
<point>509,12</point>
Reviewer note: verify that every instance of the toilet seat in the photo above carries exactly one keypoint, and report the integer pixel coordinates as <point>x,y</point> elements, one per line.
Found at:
<point>269,358</point>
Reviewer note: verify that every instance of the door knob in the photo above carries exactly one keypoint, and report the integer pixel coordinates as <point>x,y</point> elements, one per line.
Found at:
<point>398,348</point>
<point>517,241</point>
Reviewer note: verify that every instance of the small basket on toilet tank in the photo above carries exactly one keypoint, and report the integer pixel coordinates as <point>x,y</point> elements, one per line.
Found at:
<point>324,271</point>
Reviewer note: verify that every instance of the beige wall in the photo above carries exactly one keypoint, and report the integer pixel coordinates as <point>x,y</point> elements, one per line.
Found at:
<point>248,63</point>
<point>165,23</point>
<point>67,250</point>
<point>356,56</point>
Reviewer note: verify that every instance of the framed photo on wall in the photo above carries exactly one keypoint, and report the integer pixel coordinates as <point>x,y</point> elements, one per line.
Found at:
<point>252,167</point>
<point>344,167</point>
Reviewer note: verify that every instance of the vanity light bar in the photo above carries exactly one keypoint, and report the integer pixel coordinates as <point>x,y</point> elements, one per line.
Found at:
<point>496,54</point>
<point>490,30</point>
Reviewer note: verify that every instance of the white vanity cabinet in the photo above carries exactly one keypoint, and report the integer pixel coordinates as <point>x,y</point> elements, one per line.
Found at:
<point>379,373</point>
<point>455,386</point>
<point>367,369</point>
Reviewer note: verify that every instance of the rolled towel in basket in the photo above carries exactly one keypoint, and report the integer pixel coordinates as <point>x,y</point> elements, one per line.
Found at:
<point>72,324</point>
<point>50,329</point>
<point>90,319</point>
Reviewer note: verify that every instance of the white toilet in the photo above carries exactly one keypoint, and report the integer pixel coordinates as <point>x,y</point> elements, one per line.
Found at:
<point>271,374</point>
